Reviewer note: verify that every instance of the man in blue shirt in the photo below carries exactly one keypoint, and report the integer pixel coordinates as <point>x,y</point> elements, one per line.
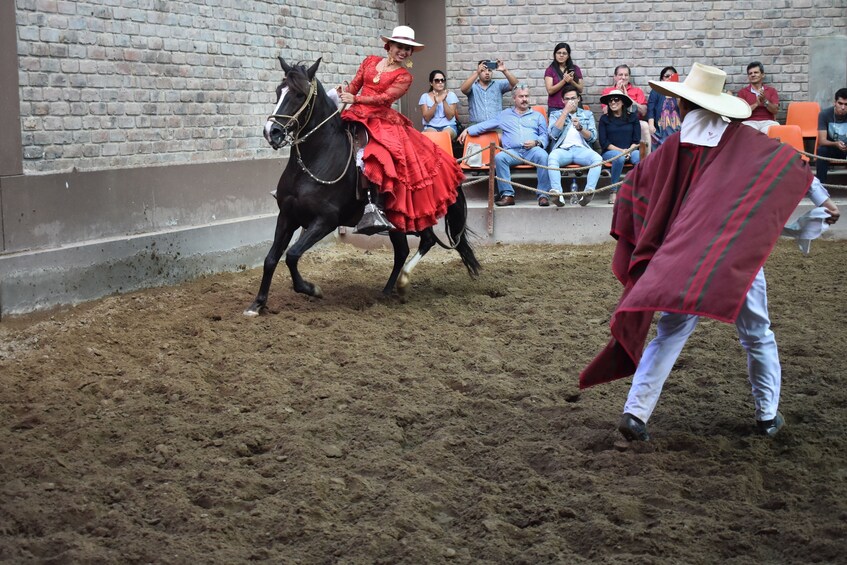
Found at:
<point>485,96</point>
<point>524,135</point>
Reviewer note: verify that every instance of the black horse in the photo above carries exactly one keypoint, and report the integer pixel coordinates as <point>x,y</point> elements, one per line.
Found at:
<point>317,190</point>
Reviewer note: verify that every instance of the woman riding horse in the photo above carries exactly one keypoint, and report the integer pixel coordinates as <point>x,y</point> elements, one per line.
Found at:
<point>417,180</point>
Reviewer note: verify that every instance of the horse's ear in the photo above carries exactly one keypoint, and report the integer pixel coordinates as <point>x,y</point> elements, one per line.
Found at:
<point>284,65</point>
<point>314,68</point>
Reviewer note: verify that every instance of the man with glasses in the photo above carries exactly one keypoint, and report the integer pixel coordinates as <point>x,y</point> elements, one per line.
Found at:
<point>525,135</point>
<point>574,131</point>
<point>485,96</point>
<point>763,99</point>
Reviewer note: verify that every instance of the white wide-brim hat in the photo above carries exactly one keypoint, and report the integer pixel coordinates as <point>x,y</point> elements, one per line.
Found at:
<point>627,101</point>
<point>704,86</point>
<point>404,35</point>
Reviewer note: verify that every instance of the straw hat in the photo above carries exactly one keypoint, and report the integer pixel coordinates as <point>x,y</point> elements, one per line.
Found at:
<point>627,101</point>
<point>704,86</point>
<point>404,35</point>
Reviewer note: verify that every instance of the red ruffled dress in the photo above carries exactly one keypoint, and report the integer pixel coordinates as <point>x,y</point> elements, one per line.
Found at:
<point>418,179</point>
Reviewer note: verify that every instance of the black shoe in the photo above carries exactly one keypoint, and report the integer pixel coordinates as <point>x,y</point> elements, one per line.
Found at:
<point>587,197</point>
<point>632,428</point>
<point>543,202</point>
<point>770,427</point>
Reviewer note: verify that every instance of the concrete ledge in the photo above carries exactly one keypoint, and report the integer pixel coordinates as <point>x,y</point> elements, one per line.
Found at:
<point>38,280</point>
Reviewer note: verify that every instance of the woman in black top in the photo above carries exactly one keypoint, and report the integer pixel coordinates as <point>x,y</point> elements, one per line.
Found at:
<point>618,130</point>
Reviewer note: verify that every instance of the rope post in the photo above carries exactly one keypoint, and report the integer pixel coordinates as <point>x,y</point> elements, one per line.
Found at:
<point>490,223</point>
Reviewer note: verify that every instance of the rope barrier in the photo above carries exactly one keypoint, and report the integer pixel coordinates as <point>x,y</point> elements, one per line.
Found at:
<point>587,167</point>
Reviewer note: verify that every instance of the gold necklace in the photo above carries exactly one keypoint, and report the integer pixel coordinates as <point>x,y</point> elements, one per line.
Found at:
<point>384,69</point>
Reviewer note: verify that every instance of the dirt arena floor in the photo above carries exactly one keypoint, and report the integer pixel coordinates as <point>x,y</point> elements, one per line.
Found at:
<point>165,427</point>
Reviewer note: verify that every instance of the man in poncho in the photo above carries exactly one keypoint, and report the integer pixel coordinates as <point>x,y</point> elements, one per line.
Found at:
<point>695,223</point>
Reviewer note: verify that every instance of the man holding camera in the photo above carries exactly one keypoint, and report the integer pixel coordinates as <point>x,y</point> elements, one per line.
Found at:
<point>485,96</point>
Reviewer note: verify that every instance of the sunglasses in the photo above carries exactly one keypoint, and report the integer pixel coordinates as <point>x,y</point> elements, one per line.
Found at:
<point>438,80</point>
<point>667,75</point>
<point>615,99</point>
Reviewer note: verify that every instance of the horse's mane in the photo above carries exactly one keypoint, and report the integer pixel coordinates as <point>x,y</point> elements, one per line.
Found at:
<point>297,80</point>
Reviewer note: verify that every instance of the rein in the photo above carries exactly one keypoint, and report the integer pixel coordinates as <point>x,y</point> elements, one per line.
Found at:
<point>295,140</point>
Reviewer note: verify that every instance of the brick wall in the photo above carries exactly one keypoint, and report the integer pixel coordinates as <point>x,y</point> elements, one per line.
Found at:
<point>126,83</point>
<point>646,35</point>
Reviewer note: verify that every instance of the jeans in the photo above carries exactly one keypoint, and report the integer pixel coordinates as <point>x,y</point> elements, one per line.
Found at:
<point>577,155</point>
<point>821,165</point>
<point>503,162</point>
<point>617,164</point>
<point>753,326</point>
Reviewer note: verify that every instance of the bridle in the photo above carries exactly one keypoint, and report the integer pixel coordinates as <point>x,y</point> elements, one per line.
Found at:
<point>295,139</point>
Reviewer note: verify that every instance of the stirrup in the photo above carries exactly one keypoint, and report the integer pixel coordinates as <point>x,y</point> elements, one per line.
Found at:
<point>373,221</point>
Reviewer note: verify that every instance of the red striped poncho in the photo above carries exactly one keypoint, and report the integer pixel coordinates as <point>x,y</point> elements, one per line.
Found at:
<point>694,225</point>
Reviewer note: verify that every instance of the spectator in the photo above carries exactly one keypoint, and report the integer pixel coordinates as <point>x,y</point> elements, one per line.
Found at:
<point>832,133</point>
<point>560,72</point>
<point>663,111</point>
<point>639,101</point>
<point>763,99</point>
<point>485,96</point>
<point>619,130</point>
<point>524,134</point>
<point>574,131</point>
<point>668,257</point>
<point>438,106</point>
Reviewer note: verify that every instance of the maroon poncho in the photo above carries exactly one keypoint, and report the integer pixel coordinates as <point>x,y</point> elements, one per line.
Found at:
<point>694,225</point>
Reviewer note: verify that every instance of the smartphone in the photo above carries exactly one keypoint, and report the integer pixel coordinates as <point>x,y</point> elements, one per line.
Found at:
<point>491,65</point>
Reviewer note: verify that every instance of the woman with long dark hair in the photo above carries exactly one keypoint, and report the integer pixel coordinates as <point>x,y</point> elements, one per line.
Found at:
<point>439,105</point>
<point>560,72</point>
<point>663,111</point>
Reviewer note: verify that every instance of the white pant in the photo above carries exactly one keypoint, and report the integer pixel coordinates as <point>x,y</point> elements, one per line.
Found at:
<point>761,125</point>
<point>755,335</point>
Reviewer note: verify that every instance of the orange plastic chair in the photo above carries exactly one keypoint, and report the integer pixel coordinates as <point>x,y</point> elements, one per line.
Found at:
<point>790,135</point>
<point>541,110</point>
<point>805,115</point>
<point>483,140</point>
<point>441,139</point>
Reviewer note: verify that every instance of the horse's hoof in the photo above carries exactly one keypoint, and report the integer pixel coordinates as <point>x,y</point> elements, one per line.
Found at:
<point>317,292</point>
<point>255,310</point>
<point>403,282</point>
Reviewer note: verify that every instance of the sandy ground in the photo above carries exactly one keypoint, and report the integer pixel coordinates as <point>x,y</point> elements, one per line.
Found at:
<point>165,427</point>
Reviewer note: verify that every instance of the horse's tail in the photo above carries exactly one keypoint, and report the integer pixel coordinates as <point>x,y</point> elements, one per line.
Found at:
<point>458,232</point>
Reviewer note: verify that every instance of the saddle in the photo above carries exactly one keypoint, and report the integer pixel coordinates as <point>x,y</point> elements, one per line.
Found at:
<point>360,137</point>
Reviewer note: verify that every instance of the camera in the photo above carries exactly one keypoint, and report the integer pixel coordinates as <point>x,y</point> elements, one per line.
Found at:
<point>491,65</point>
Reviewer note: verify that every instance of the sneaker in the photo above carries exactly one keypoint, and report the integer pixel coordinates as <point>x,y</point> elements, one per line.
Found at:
<point>770,427</point>
<point>587,197</point>
<point>558,199</point>
<point>632,429</point>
